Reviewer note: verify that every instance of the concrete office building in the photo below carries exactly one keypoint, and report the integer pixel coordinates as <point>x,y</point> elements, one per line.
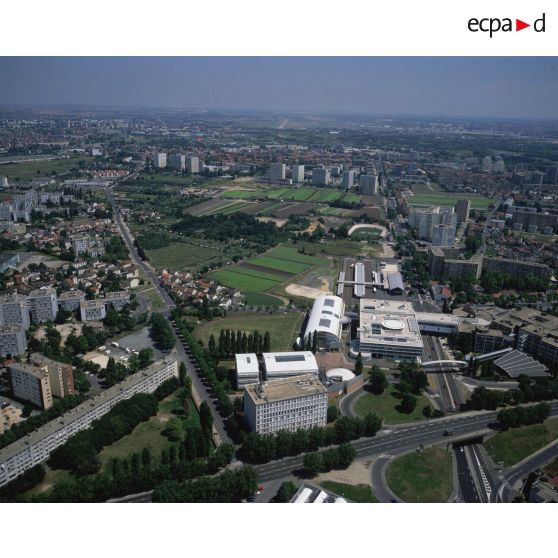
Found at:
<point>348,179</point>
<point>286,404</point>
<point>37,446</point>
<point>12,340</point>
<point>61,375</point>
<point>320,177</point>
<point>285,364</point>
<point>159,160</point>
<point>117,299</point>
<point>14,310</point>
<point>92,310</point>
<point>84,244</point>
<point>70,300</point>
<point>277,171</point>
<point>368,184</point>
<point>31,383</point>
<point>177,161</point>
<point>4,182</point>
<point>43,304</point>
<point>462,209</point>
<point>247,369</point>
<point>388,330</point>
<point>298,173</point>
<point>193,165</point>
<point>326,319</point>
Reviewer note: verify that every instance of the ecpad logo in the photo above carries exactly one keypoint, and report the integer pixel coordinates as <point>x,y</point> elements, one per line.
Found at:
<point>493,25</point>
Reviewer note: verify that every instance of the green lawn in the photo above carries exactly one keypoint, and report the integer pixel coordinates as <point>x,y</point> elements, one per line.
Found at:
<point>148,291</point>
<point>360,493</point>
<point>384,405</point>
<point>291,253</point>
<point>425,477</point>
<point>283,328</point>
<point>514,445</point>
<point>148,434</point>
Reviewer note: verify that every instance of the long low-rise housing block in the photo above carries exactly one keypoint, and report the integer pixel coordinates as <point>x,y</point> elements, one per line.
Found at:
<point>37,446</point>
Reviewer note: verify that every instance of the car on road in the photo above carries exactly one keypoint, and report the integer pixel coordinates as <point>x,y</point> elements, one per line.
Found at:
<point>449,432</point>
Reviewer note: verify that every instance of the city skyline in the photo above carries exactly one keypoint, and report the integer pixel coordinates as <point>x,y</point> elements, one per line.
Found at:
<point>449,87</point>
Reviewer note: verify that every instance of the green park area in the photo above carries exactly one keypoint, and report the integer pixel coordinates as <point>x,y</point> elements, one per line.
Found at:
<point>283,328</point>
<point>386,406</point>
<point>514,445</point>
<point>424,477</point>
<point>360,493</point>
<point>183,256</point>
<point>149,434</point>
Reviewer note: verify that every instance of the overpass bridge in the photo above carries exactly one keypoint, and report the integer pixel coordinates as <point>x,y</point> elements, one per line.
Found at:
<point>444,366</point>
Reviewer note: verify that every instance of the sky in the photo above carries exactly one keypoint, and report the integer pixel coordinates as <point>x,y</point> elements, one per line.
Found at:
<point>498,87</point>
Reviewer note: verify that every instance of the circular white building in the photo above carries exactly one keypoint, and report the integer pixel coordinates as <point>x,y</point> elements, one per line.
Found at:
<point>339,375</point>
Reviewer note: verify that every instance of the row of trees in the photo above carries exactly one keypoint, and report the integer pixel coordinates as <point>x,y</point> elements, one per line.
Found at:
<point>229,486</point>
<point>231,343</point>
<point>260,448</point>
<point>520,416</point>
<point>205,367</point>
<point>493,282</point>
<point>79,453</point>
<point>137,474</point>
<point>529,390</point>
<point>333,458</point>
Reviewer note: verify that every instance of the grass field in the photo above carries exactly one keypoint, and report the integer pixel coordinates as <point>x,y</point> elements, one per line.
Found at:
<point>281,265</point>
<point>260,299</point>
<point>283,328</point>
<point>514,445</point>
<point>148,291</point>
<point>340,247</point>
<point>360,493</point>
<point>245,280</point>
<point>425,477</point>
<point>149,434</point>
<point>182,256</point>
<point>384,405</point>
<point>449,198</point>
<point>40,169</point>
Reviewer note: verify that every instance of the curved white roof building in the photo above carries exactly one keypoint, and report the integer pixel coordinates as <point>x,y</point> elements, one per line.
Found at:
<point>325,318</point>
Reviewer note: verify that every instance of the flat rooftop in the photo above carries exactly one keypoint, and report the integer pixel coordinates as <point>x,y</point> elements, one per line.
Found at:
<point>289,361</point>
<point>29,369</point>
<point>285,388</point>
<point>247,363</point>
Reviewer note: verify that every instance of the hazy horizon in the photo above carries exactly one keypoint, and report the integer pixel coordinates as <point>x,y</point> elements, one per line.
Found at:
<point>521,88</point>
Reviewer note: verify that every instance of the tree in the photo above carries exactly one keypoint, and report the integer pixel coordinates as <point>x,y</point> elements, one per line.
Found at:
<point>427,411</point>
<point>174,431</point>
<point>285,493</point>
<point>332,413</point>
<point>345,455</point>
<point>145,357</point>
<point>408,403</point>
<point>312,463</point>
<point>378,381</point>
<point>358,364</point>
<point>182,374</point>
<point>206,418</point>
